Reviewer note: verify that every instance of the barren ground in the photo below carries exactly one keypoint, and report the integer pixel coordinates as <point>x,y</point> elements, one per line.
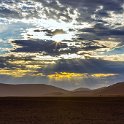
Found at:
<point>64,110</point>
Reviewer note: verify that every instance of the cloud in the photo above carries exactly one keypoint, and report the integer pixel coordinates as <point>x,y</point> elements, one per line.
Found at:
<point>62,38</point>
<point>113,56</point>
<point>62,72</point>
<point>37,9</point>
<point>102,30</point>
<point>2,63</point>
<point>81,11</point>
<point>38,46</point>
<point>89,66</point>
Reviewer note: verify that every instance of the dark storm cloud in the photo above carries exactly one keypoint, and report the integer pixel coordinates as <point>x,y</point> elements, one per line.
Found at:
<point>102,13</point>
<point>7,13</point>
<point>88,36</point>
<point>2,63</point>
<point>92,45</point>
<point>86,8</point>
<point>38,46</point>
<point>53,48</point>
<point>25,9</point>
<point>108,5</point>
<point>89,66</point>
<point>100,31</point>
<point>94,12</point>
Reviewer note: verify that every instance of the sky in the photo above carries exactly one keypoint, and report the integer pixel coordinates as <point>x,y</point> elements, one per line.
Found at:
<point>64,43</point>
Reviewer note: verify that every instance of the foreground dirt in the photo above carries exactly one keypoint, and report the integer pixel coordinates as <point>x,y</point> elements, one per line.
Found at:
<point>62,110</point>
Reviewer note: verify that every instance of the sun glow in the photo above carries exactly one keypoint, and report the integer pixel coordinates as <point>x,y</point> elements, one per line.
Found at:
<point>61,37</point>
<point>31,34</point>
<point>101,75</point>
<point>66,76</point>
<point>58,30</point>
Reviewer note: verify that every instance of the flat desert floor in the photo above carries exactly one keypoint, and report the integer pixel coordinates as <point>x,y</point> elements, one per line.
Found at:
<point>85,110</point>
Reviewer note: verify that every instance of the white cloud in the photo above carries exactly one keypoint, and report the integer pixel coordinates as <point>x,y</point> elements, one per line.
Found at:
<point>115,20</point>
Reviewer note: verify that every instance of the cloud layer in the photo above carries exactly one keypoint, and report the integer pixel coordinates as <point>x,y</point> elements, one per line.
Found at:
<point>62,39</point>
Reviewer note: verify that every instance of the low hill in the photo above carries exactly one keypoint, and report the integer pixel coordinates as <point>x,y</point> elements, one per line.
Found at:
<point>81,89</point>
<point>112,90</point>
<point>30,90</point>
<point>42,90</point>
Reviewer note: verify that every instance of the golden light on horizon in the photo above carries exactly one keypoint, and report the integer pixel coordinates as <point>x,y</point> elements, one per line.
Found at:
<point>102,75</point>
<point>28,64</point>
<point>65,76</point>
<point>15,73</point>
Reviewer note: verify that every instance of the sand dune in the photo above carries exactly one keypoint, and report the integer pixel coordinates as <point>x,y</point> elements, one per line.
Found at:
<point>81,89</point>
<point>116,89</point>
<point>112,90</point>
<point>31,90</point>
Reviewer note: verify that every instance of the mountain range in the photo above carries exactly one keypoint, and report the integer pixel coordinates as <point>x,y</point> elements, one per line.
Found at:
<point>42,90</point>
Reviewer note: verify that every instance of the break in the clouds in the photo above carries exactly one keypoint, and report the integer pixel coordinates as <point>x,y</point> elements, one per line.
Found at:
<point>65,43</point>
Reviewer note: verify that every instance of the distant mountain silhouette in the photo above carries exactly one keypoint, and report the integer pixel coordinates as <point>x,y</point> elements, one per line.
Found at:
<point>81,89</point>
<point>37,90</point>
